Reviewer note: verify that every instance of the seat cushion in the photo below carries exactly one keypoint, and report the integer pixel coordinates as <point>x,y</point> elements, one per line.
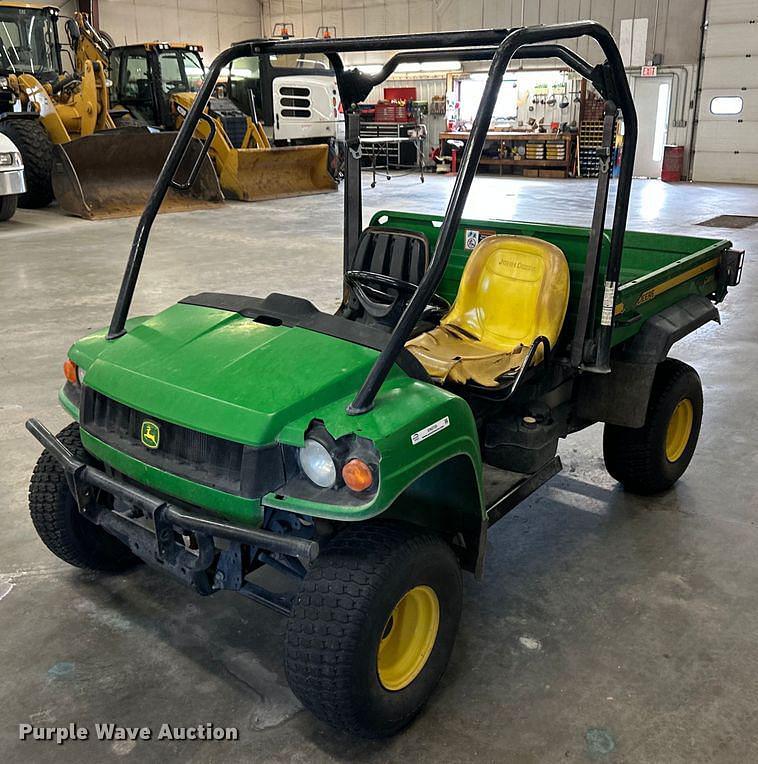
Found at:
<point>513,290</point>
<point>448,355</point>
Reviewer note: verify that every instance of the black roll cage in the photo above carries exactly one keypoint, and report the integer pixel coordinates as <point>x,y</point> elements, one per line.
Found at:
<point>590,347</point>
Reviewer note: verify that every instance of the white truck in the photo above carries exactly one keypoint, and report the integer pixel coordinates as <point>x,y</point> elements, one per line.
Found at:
<point>295,98</point>
<point>11,177</point>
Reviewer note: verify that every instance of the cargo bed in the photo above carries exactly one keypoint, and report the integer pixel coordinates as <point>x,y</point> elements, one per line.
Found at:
<point>657,270</point>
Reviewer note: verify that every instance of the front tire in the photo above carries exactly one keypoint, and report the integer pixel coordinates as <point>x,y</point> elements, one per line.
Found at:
<point>60,525</point>
<point>373,627</point>
<point>651,458</point>
<point>36,149</point>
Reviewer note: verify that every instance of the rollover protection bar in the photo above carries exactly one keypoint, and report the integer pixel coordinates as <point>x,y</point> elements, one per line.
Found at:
<point>83,478</point>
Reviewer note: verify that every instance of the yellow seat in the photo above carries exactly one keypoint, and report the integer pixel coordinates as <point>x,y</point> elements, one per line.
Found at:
<point>513,289</point>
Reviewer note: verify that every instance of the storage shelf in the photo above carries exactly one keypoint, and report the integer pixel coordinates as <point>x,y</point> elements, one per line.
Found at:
<point>524,162</point>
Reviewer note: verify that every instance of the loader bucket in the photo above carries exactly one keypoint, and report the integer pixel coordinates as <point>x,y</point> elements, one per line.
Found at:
<point>251,175</point>
<point>111,174</point>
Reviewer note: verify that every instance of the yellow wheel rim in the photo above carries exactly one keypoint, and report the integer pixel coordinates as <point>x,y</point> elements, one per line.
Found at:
<point>408,638</point>
<point>679,429</point>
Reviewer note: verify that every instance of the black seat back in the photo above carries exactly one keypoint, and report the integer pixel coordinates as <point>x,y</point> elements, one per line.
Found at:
<point>401,254</point>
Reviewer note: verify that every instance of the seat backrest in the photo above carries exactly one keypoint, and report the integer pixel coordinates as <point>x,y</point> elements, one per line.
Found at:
<point>401,254</point>
<point>513,289</point>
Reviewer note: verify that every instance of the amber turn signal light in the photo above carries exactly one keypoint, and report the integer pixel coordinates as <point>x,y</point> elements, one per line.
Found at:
<point>69,369</point>
<point>357,475</point>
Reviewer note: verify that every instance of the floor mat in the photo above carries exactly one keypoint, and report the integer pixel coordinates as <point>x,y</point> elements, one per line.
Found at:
<point>730,221</point>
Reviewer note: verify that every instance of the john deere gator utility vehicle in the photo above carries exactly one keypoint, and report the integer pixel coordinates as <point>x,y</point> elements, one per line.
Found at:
<point>366,454</point>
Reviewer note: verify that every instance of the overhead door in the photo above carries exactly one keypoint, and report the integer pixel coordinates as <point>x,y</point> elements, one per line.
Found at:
<point>726,139</point>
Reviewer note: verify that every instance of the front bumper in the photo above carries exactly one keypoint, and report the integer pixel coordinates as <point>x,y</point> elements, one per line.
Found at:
<point>160,543</point>
<point>12,182</point>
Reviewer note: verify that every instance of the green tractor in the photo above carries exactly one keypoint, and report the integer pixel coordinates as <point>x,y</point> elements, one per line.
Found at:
<point>366,454</point>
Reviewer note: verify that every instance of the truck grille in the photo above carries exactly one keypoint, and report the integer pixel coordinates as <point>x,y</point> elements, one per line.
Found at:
<point>295,102</point>
<point>215,462</point>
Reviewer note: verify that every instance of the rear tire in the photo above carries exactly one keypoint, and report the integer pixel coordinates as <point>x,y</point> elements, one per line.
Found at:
<point>60,525</point>
<point>373,627</point>
<point>36,149</point>
<point>651,458</point>
<point>8,207</point>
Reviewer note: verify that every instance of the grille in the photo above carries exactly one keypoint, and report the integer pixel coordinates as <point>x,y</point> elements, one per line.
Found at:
<point>295,102</point>
<point>215,462</point>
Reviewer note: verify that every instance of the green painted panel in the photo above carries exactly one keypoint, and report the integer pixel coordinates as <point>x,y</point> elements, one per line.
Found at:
<point>226,375</point>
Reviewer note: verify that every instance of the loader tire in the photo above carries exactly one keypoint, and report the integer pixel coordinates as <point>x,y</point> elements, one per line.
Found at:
<point>373,626</point>
<point>58,522</point>
<point>651,458</point>
<point>36,149</point>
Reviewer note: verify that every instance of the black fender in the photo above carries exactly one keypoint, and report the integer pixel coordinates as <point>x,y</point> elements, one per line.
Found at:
<point>7,116</point>
<point>653,342</point>
<point>622,396</point>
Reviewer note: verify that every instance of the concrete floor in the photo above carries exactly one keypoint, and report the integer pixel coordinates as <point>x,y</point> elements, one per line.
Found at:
<point>607,627</point>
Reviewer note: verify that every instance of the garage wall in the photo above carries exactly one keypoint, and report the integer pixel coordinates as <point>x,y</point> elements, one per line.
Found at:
<point>673,26</point>
<point>670,28</point>
<point>215,24</point>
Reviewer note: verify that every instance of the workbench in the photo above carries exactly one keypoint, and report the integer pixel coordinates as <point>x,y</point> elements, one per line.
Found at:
<point>505,140</point>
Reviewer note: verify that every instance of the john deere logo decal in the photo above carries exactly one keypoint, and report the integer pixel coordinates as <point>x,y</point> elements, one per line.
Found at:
<point>150,434</point>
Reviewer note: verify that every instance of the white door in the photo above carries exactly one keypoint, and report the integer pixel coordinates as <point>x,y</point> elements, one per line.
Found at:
<point>726,135</point>
<point>652,99</point>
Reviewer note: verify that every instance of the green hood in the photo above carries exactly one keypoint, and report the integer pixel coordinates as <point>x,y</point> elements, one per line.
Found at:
<point>224,374</point>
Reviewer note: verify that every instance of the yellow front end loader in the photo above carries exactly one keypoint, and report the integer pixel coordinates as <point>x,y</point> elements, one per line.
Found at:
<point>111,173</point>
<point>250,169</point>
<point>155,84</point>
<point>63,128</point>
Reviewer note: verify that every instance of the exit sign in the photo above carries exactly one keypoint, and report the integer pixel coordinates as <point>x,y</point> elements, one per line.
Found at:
<point>649,71</point>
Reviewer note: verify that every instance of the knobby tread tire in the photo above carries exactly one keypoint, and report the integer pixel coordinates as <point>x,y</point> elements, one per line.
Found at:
<point>327,631</point>
<point>36,149</point>
<point>635,456</point>
<point>60,526</point>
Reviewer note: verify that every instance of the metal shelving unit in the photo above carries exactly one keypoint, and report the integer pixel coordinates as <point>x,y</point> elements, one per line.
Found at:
<point>392,155</point>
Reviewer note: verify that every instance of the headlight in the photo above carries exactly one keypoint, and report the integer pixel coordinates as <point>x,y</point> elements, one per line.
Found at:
<point>318,464</point>
<point>80,374</point>
<point>7,159</point>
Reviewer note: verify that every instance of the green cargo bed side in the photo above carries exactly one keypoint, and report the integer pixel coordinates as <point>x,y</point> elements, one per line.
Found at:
<point>657,270</point>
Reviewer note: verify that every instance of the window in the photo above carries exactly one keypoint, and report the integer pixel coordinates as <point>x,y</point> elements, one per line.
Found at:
<point>471,95</point>
<point>661,121</point>
<point>27,42</point>
<point>300,61</point>
<point>136,92</point>
<point>181,70</point>
<point>137,76</point>
<point>115,62</point>
<point>721,105</point>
